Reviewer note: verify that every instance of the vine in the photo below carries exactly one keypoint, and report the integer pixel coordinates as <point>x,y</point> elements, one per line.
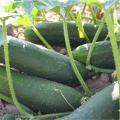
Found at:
<point>75,69</point>
<point>9,76</point>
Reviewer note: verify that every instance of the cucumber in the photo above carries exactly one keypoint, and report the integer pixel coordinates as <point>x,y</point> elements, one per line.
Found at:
<point>8,117</point>
<point>39,61</point>
<point>53,33</point>
<point>98,107</point>
<point>40,94</point>
<point>102,55</point>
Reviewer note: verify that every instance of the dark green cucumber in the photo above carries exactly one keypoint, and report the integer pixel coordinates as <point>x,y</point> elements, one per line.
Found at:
<point>102,55</point>
<point>98,107</point>
<point>39,61</point>
<point>53,33</point>
<point>41,94</point>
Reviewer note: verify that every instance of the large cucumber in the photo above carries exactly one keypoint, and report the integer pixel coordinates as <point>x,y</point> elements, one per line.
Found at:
<point>53,33</point>
<point>36,60</point>
<point>102,55</point>
<point>99,107</point>
<point>41,94</point>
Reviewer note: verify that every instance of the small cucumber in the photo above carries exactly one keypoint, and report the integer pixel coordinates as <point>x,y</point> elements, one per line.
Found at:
<point>102,55</point>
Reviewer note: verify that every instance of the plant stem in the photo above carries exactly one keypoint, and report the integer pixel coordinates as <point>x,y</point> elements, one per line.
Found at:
<point>41,37</point>
<point>9,77</point>
<point>92,13</point>
<point>5,98</point>
<point>97,69</point>
<point>83,10</point>
<point>43,15</point>
<point>46,116</point>
<point>114,45</point>
<point>74,67</point>
<point>93,43</point>
<point>10,101</point>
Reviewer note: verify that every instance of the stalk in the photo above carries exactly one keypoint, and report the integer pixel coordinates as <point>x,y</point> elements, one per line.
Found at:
<point>41,37</point>
<point>46,116</point>
<point>93,43</point>
<point>92,13</point>
<point>83,10</point>
<point>9,77</point>
<point>10,101</point>
<point>74,67</point>
<point>114,45</point>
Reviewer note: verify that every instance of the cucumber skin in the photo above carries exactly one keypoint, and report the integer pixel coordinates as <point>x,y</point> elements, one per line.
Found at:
<point>99,107</point>
<point>8,117</point>
<point>41,62</point>
<point>53,33</point>
<point>102,55</point>
<point>40,94</point>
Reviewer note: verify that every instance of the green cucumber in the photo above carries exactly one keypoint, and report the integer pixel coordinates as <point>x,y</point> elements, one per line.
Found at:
<point>8,117</point>
<point>39,61</point>
<point>53,33</point>
<point>98,107</point>
<point>102,55</point>
<point>40,94</point>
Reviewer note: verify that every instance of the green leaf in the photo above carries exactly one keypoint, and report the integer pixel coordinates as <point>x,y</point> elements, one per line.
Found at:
<point>34,12</point>
<point>1,37</point>
<point>23,20</point>
<point>51,4</point>
<point>106,4</point>
<point>11,7</point>
<point>28,6</point>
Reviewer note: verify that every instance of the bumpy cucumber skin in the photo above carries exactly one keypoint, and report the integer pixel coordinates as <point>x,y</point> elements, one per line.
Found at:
<point>99,107</point>
<point>38,61</point>
<point>102,55</point>
<point>53,33</point>
<point>40,94</point>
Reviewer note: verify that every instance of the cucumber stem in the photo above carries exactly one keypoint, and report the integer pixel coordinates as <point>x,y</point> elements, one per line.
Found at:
<point>93,43</point>
<point>83,10</point>
<point>9,77</point>
<point>10,101</point>
<point>41,37</point>
<point>114,45</point>
<point>74,67</point>
<point>46,116</point>
<point>92,13</point>
<point>5,98</point>
<point>97,69</point>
